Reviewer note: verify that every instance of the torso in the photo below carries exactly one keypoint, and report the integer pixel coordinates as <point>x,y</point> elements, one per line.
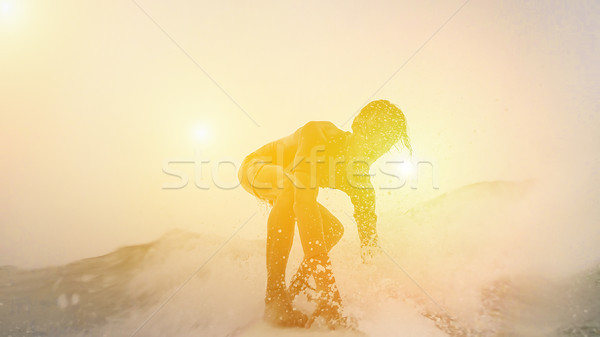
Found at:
<point>331,171</point>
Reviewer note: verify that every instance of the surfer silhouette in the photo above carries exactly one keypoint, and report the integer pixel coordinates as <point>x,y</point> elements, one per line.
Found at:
<point>288,173</point>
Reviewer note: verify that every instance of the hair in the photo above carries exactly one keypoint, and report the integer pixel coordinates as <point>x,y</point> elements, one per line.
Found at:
<point>389,121</point>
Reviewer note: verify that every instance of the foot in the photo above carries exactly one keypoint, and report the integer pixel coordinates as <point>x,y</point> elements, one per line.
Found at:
<point>329,301</point>
<point>279,311</point>
<point>331,315</point>
<point>299,284</point>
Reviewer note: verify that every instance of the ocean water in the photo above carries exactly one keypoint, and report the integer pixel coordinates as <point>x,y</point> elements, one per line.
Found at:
<point>478,261</point>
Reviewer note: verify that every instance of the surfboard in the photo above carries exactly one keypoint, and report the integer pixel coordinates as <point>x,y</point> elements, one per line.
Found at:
<point>260,328</point>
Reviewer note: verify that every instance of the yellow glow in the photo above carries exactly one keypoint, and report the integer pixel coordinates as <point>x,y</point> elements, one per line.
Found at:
<point>201,133</point>
<point>405,169</point>
<point>90,89</point>
<point>399,164</point>
<point>7,10</point>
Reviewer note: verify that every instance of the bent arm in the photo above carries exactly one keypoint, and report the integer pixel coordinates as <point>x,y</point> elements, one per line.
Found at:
<point>365,217</point>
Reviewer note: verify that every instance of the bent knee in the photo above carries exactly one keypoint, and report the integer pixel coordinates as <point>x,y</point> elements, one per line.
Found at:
<point>285,194</point>
<point>337,230</point>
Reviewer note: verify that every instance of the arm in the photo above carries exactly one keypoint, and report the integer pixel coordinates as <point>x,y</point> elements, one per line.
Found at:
<point>363,200</point>
<point>365,217</point>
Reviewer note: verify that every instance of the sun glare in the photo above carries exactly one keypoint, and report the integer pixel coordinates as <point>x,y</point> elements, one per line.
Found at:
<point>201,133</point>
<point>8,11</point>
<point>405,169</point>
<point>10,14</point>
<point>399,165</point>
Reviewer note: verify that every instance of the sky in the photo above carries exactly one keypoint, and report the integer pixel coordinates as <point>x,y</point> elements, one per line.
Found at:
<point>99,99</point>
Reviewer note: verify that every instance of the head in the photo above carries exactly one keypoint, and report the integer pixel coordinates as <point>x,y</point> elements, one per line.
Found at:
<point>378,127</point>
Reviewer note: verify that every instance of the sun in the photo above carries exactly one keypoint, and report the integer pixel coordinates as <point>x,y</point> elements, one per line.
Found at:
<point>8,11</point>
<point>7,8</point>
<point>405,169</point>
<point>201,133</point>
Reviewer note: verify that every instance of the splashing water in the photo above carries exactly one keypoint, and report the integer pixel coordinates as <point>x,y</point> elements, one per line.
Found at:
<point>472,262</point>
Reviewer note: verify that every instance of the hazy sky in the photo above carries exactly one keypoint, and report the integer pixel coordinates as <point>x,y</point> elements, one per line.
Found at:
<point>95,98</point>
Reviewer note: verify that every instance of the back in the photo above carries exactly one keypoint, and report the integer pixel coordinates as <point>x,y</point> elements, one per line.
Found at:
<point>282,151</point>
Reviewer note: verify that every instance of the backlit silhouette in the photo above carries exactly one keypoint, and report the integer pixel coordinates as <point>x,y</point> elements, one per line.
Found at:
<point>288,174</point>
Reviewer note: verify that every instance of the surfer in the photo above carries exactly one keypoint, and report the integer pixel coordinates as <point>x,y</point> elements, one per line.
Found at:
<point>287,173</point>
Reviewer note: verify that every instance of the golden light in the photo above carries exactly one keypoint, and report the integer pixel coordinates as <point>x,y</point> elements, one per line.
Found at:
<point>405,169</point>
<point>201,133</point>
<point>397,165</point>
<point>7,10</point>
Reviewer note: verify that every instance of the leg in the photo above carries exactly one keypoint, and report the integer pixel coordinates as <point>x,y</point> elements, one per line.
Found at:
<point>318,265</point>
<point>332,227</point>
<point>280,234</point>
<point>333,230</point>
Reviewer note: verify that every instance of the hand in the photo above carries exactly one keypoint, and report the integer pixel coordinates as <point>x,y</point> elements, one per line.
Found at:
<point>369,252</point>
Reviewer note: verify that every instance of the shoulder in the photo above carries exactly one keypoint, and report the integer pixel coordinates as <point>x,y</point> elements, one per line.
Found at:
<point>318,130</point>
<point>319,126</point>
